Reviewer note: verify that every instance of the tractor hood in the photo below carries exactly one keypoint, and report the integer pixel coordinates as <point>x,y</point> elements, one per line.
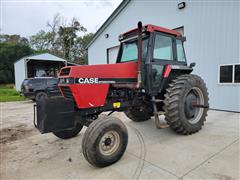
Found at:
<point>88,85</point>
<point>102,71</point>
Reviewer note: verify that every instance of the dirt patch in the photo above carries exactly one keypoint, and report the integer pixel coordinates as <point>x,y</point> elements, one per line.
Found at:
<point>14,133</point>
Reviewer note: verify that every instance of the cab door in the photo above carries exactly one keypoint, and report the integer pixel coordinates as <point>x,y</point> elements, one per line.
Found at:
<point>164,50</point>
<point>162,53</point>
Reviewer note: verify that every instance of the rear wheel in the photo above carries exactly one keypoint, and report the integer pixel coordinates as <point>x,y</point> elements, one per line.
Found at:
<point>40,96</point>
<point>138,114</point>
<point>182,101</point>
<point>66,134</point>
<point>104,141</point>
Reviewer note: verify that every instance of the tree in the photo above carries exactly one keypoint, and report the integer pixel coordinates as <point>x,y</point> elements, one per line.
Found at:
<point>9,53</point>
<point>41,41</point>
<point>68,36</point>
<point>54,28</point>
<point>14,39</point>
<point>79,48</point>
<point>63,39</point>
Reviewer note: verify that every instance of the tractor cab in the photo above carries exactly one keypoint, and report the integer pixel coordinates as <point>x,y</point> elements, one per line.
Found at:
<point>161,51</point>
<point>161,43</point>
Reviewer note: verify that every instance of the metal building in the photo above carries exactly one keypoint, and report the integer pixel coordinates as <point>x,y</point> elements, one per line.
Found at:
<point>212,31</point>
<point>37,66</point>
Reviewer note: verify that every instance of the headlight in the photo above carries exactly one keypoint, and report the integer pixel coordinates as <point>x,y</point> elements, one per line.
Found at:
<point>66,81</point>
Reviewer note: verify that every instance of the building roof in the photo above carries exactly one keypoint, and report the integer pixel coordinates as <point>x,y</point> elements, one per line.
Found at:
<point>123,4</point>
<point>43,57</point>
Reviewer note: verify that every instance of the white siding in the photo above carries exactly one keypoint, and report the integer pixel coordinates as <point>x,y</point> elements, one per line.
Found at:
<point>19,71</point>
<point>212,31</point>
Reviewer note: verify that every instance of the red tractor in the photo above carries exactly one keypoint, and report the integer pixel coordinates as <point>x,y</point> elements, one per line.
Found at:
<point>150,78</point>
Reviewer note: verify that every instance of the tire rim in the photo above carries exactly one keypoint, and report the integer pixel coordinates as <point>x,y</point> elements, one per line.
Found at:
<point>194,114</point>
<point>109,143</point>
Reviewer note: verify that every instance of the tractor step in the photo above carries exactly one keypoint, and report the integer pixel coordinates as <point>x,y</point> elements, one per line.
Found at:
<point>158,124</point>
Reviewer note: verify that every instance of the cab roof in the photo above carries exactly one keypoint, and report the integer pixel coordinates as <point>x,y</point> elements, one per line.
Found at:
<point>151,28</point>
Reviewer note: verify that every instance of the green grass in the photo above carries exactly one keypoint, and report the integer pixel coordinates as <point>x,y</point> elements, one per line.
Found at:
<point>8,93</point>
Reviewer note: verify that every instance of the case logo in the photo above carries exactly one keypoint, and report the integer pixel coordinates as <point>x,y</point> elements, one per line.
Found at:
<point>88,80</point>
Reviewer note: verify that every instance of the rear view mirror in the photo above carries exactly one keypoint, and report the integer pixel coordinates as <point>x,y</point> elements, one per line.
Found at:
<point>192,65</point>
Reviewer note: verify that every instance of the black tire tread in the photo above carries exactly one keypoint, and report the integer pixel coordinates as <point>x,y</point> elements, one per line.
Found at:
<point>171,104</point>
<point>92,133</point>
<point>137,116</point>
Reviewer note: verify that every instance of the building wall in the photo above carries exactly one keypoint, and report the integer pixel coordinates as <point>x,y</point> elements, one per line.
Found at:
<point>19,71</point>
<point>212,31</point>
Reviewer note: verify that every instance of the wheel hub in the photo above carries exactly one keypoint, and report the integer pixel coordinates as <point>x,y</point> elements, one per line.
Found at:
<point>193,113</point>
<point>190,110</point>
<point>109,143</point>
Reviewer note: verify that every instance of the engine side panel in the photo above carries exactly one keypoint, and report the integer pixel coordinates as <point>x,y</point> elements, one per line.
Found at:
<point>89,94</point>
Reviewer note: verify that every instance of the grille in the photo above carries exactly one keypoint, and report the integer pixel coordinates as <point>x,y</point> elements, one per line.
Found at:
<point>67,93</point>
<point>65,72</point>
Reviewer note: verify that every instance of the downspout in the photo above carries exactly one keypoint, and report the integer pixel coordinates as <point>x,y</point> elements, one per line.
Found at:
<point>139,61</point>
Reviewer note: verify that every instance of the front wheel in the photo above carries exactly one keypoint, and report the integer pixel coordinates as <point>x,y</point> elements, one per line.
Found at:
<point>186,104</point>
<point>104,141</point>
<point>69,133</point>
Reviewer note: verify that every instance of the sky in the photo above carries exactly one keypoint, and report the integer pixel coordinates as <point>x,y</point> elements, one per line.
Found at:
<point>27,17</point>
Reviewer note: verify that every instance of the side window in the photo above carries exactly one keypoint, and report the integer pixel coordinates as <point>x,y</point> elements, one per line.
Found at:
<point>229,74</point>
<point>180,51</point>
<point>52,82</point>
<point>237,73</point>
<point>129,52</point>
<point>163,48</point>
<point>156,75</point>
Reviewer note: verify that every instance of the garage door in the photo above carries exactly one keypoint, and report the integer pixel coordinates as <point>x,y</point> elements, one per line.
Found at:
<point>112,54</point>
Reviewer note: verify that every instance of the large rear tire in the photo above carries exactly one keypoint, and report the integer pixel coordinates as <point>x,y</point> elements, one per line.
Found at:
<point>66,134</point>
<point>104,141</point>
<point>181,98</point>
<point>138,114</point>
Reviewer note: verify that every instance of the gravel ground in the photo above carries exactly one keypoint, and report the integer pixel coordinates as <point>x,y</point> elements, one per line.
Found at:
<point>213,153</point>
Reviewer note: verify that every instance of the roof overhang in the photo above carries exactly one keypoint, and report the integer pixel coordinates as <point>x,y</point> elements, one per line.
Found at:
<point>42,57</point>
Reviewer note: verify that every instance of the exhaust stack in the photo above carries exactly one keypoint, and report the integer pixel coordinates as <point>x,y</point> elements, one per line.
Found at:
<point>139,62</point>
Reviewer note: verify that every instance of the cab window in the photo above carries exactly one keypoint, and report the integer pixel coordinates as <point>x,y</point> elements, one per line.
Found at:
<point>180,51</point>
<point>130,50</point>
<point>163,48</point>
